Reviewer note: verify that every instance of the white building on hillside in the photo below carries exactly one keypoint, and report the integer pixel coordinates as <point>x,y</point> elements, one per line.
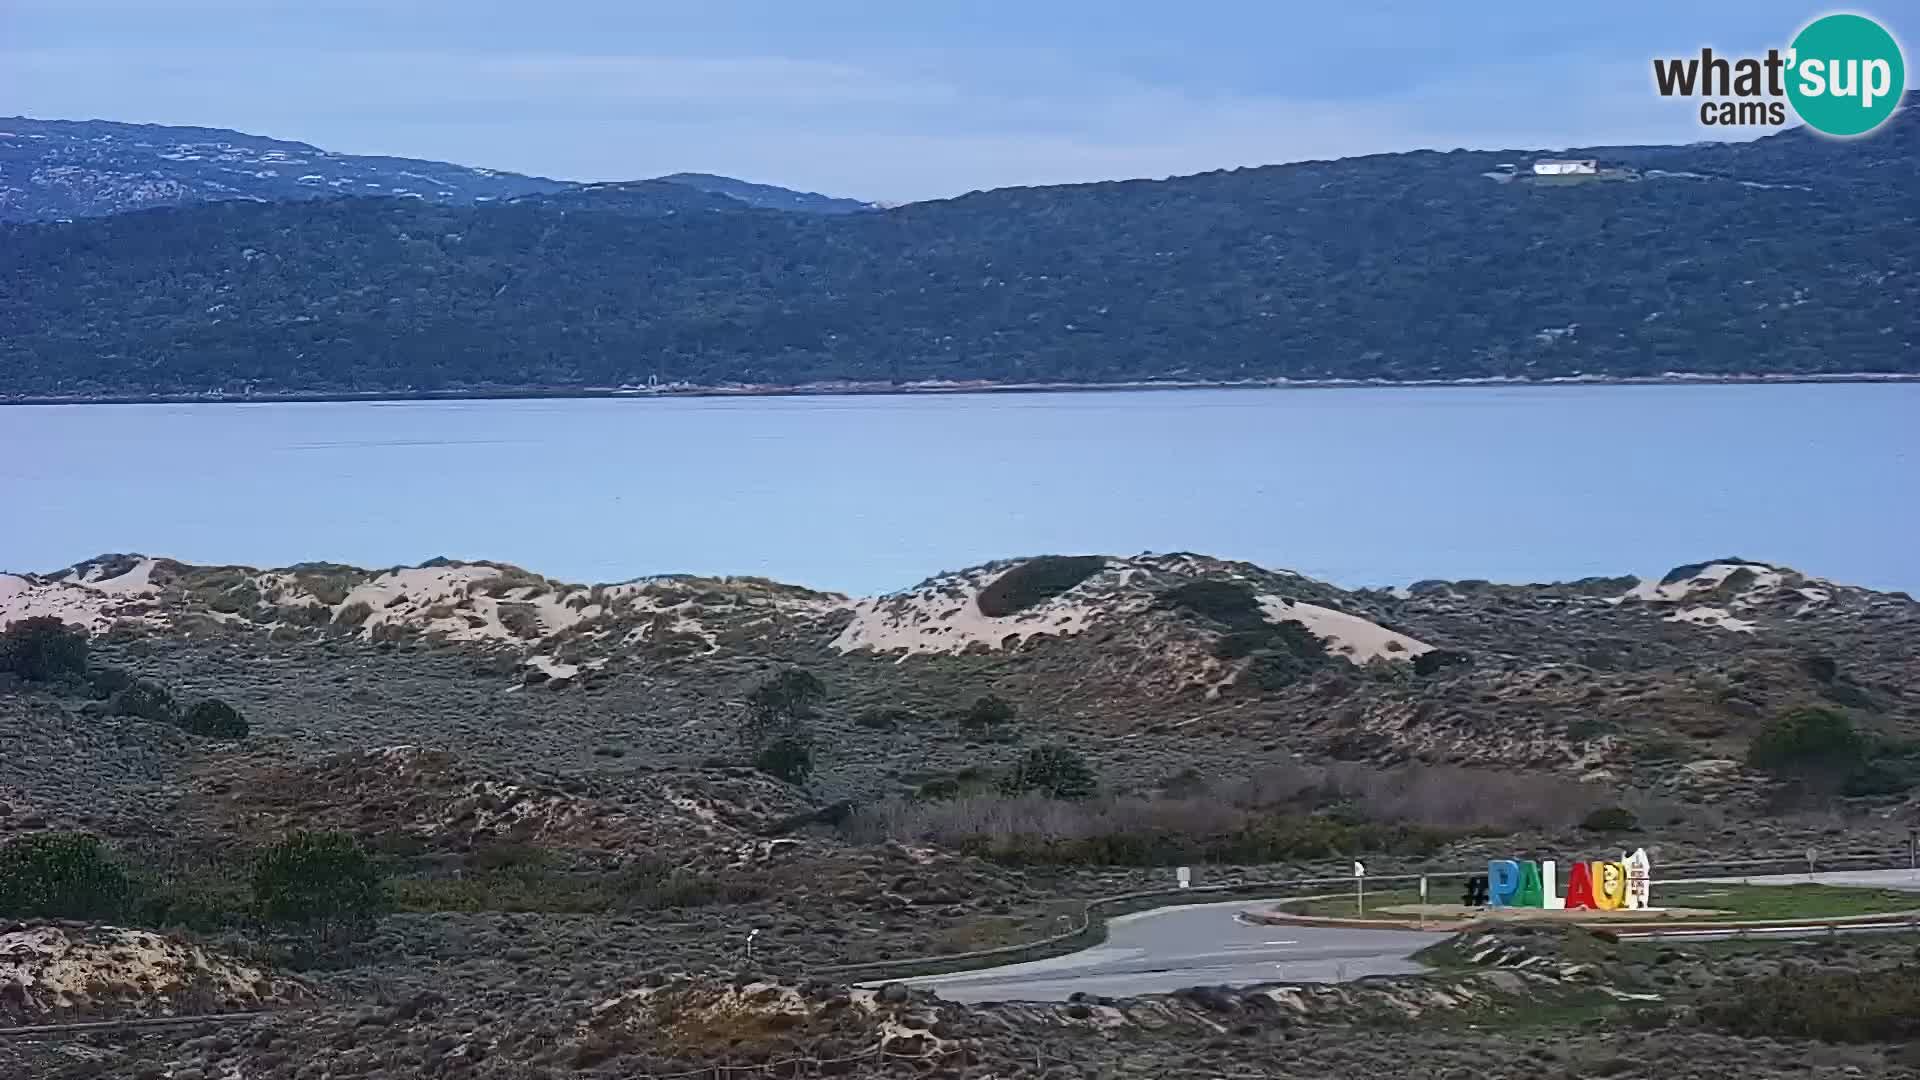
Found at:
<point>1566,167</point>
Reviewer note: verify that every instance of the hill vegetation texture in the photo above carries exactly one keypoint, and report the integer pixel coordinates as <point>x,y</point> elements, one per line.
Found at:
<point>462,820</point>
<point>56,169</point>
<point>1790,254</point>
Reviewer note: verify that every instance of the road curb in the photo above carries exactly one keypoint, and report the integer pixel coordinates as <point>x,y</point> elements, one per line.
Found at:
<point>1891,918</point>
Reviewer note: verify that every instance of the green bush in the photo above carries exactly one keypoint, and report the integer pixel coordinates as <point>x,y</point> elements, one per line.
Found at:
<point>1035,582</point>
<point>318,877</point>
<point>1807,740</point>
<point>104,682</point>
<point>1230,603</point>
<point>353,615</point>
<point>60,875</point>
<point>43,648</point>
<point>786,758</point>
<point>216,719</point>
<point>1880,778</point>
<point>1832,1006</point>
<point>1055,771</point>
<point>1434,661</point>
<point>886,718</point>
<point>987,714</point>
<point>1610,819</point>
<point>145,699</point>
<point>780,707</point>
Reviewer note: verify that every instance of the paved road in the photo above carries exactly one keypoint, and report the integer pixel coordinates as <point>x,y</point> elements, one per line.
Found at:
<point>1154,952</point>
<point>1907,880</point>
<point>1167,949</point>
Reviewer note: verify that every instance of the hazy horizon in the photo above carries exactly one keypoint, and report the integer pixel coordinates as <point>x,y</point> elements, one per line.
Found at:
<point>851,99</point>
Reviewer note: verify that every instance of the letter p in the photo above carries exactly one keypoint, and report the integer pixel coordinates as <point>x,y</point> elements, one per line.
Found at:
<point>1503,881</point>
<point>1875,81</point>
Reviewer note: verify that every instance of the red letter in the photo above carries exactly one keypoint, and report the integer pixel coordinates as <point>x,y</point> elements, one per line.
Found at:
<point>1580,888</point>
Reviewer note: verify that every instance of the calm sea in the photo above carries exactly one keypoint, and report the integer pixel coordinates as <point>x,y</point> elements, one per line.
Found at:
<point>870,494</point>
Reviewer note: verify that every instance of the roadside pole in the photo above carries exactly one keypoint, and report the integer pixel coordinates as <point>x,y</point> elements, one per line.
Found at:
<point>1360,887</point>
<point>1423,901</point>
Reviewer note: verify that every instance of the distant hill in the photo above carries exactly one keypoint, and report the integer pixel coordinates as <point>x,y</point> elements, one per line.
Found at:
<point>767,196</point>
<point>643,198</point>
<point>1789,254</point>
<point>54,169</point>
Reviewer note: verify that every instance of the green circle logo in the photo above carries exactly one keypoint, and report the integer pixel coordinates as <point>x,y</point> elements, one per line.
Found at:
<point>1846,75</point>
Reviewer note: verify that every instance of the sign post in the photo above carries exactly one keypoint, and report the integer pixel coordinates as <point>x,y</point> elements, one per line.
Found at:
<point>1183,875</point>
<point>1423,901</point>
<point>1360,887</point>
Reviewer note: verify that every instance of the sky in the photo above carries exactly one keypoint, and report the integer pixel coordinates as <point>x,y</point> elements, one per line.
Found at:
<point>892,102</point>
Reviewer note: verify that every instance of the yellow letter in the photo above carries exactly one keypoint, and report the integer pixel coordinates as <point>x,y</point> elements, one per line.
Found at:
<point>1610,891</point>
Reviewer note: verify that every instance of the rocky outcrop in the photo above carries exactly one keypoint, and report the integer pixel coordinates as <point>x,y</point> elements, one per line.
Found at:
<point>69,971</point>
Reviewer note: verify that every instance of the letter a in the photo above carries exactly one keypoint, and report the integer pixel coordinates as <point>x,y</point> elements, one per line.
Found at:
<point>1580,888</point>
<point>1529,893</point>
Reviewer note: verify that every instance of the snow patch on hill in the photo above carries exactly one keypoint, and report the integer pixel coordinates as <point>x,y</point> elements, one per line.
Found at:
<point>943,615</point>
<point>485,604</point>
<point>1358,640</point>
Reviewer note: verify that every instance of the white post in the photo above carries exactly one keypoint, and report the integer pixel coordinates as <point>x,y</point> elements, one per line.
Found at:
<point>1360,887</point>
<point>1423,901</point>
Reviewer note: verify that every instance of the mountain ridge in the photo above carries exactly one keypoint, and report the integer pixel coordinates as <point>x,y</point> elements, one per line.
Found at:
<point>53,170</point>
<point>1413,267</point>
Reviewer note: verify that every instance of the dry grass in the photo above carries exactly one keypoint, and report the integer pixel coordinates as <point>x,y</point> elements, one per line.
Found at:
<point>1283,812</point>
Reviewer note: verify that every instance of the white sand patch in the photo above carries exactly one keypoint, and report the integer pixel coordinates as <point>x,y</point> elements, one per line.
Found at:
<point>134,582</point>
<point>1765,579</point>
<point>1712,616</point>
<point>46,969</point>
<point>943,615</point>
<point>1358,640</point>
<point>80,596</point>
<point>554,668</point>
<point>1812,599</point>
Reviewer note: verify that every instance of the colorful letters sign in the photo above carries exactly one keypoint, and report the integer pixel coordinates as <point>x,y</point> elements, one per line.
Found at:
<point>1598,886</point>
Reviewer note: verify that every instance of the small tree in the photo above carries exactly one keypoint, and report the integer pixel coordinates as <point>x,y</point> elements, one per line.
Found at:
<point>780,707</point>
<point>322,878</point>
<point>60,875</point>
<point>787,759</point>
<point>145,699</point>
<point>1610,819</point>
<point>1806,741</point>
<point>1055,771</point>
<point>987,715</point>
<point>216,719</point>
<point>43,648</point>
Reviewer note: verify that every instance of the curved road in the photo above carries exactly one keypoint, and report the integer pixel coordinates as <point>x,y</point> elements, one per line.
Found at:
<point>1165,949</point>
<point>1154,952</point>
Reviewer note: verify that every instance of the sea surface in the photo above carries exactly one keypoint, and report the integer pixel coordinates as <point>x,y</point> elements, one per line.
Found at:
<point>872,494</point>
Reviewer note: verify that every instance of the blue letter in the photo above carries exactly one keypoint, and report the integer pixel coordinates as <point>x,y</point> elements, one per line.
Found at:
<point>1503,881</point>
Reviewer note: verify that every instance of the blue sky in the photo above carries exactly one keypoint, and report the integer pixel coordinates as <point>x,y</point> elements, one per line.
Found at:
<point>884,101</point>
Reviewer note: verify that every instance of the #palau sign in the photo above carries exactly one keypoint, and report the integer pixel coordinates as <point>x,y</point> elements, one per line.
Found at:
<point>1599,886</point>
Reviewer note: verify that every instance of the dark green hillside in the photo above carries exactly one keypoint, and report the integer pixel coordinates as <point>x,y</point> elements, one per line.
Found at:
<point>1792,254</point>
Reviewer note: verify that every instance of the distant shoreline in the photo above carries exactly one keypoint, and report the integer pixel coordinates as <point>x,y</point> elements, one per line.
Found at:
<point>911,389</point>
